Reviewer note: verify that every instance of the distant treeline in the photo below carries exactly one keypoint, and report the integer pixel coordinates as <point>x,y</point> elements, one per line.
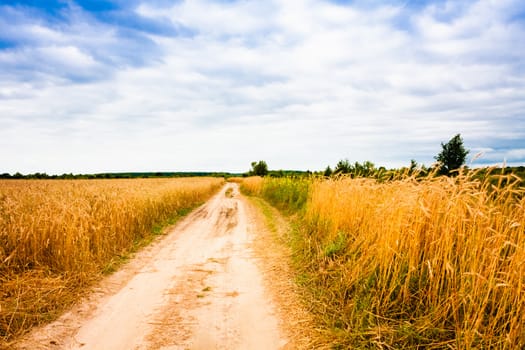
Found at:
<point>518,171</point>
<point>143,175</point>
<point>365,169</point>
<point>368,169</point>
<point>130,175</point>
<point>285,173</point>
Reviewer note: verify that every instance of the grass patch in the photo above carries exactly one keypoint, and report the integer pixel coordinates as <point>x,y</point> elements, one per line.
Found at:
<point>268,213</point>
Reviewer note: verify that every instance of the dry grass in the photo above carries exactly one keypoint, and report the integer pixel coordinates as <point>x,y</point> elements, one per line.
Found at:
<point>433,263</point>
<point>58,236</point>
<point>252,185</point>
<point>235,179</point>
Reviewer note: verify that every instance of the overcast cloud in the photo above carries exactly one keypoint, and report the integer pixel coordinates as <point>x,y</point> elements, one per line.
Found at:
<point>98,86</point>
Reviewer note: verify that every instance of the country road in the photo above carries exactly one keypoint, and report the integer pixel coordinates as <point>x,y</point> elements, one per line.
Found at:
<point>199,287</point>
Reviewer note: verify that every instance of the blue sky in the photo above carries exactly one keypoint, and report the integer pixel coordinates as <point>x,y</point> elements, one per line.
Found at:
<point>96,86</point>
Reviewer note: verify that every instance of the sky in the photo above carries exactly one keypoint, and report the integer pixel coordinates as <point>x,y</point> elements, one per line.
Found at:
<point>212,85</point>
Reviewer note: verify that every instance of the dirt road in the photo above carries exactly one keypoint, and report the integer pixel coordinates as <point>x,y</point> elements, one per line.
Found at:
<point>200,287</point>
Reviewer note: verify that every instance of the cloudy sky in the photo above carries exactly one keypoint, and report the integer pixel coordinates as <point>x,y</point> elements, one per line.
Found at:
<point>211,85</point>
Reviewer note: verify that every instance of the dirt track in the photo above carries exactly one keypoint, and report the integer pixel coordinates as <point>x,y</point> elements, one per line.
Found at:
<point>200,287</point>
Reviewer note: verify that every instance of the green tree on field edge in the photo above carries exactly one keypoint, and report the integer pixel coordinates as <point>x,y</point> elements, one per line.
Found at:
<point>259,168</point>
<point>452,156</point>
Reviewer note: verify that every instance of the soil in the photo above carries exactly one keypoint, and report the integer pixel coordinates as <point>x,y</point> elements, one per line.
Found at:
<point>207,284</point>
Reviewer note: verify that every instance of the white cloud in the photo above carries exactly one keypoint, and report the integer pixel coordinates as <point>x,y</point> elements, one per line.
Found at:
<point>298,83</point>
<point>68,56</point>
<point>213,19</point>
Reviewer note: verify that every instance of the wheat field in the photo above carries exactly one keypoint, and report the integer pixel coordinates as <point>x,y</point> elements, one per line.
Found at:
<point>436,262</point>
<point>57,236</point>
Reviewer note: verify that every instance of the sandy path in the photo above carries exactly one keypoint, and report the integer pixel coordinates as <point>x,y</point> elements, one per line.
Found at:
<point>198,288</point>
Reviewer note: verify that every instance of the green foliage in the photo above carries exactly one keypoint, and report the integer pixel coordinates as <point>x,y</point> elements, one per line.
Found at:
<point>413,166</point>
<point>287,194</point>
<point>131,175</point>
<point>259,168</point>
<point>453,155</point>
<point>365,169</point>
<point>337,246</point>
<point>288,173</point>
<point>343,167</point>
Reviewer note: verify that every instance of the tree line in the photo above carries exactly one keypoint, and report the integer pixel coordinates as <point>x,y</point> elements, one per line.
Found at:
<point>452,157</point>
<point>130,175</point>
<point>449,160</point>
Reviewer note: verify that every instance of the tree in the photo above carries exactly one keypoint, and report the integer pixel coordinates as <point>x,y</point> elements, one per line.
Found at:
<point>259,168</point>
<point>368,168</point>
<point>328,171</point>
<point>453,155</point>
<point>343,167</point>
<point>413,167</point>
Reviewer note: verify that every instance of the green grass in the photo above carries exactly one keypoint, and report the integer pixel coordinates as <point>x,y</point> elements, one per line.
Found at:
<point>287,194</point>
<point>268,213</point>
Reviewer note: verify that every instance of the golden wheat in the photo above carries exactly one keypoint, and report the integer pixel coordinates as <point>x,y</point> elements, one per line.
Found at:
<point>252,185</point>
<point>55,235</point>
<point>436,262</point>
